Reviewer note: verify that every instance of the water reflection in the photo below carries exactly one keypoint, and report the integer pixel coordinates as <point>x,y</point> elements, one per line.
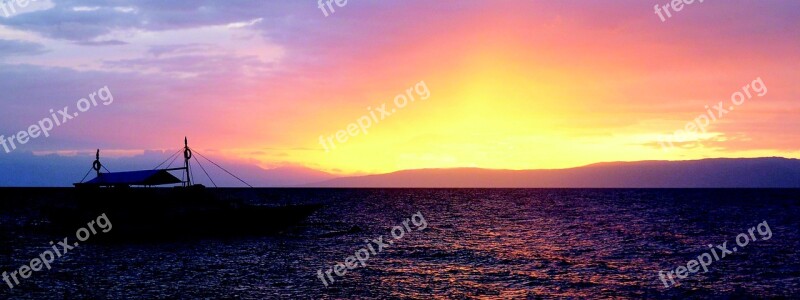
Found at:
<point>479,244</point>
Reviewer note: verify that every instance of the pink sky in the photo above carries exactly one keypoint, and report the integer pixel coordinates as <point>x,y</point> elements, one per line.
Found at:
<point>514,84</point>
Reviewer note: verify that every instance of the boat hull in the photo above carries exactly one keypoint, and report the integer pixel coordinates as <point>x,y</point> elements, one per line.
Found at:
<point>174,213</point>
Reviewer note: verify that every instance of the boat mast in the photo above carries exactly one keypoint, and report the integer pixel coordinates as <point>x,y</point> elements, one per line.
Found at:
<point>187,154</point>
<point>97,165</point>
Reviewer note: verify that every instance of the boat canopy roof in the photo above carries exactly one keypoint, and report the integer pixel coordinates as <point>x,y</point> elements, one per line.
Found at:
<point>146,177</point>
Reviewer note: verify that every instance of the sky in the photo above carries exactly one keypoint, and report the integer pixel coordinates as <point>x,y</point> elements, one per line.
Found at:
<point>495,84</point>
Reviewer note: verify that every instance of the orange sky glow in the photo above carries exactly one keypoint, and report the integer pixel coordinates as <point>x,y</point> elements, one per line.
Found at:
<point>512,85</point>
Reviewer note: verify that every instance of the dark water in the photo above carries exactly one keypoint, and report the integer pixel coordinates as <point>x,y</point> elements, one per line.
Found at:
<point>481,243</point>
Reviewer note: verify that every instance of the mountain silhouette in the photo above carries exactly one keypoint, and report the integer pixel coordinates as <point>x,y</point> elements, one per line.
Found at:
<point>769,172</point>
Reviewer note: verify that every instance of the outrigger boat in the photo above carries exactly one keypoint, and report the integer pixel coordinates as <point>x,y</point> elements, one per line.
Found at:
<point>140,212</point>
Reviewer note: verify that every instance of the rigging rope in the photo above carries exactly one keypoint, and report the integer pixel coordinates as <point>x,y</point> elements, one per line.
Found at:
<point>87,174</point>
<point>173,154</point>
<point>173,160</point>
<point>218,166</point>
<point>191,171</point>
<point>204,171</point>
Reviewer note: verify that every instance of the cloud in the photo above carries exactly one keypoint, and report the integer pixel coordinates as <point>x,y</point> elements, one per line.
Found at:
<point>85,20</point>
<point>103,43</point>
<point>14,48</point>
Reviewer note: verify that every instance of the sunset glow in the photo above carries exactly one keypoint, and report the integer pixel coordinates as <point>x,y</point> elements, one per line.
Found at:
<point>511,87</point>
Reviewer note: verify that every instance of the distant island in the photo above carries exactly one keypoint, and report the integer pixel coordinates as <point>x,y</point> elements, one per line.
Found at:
<point>28,170</point>
<point>769,172</point>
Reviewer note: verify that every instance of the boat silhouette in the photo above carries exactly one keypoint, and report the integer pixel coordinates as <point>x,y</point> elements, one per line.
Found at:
<point>140,208</point>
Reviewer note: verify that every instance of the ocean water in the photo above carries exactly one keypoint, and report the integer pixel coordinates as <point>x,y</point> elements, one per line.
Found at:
<point>478,243</point>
